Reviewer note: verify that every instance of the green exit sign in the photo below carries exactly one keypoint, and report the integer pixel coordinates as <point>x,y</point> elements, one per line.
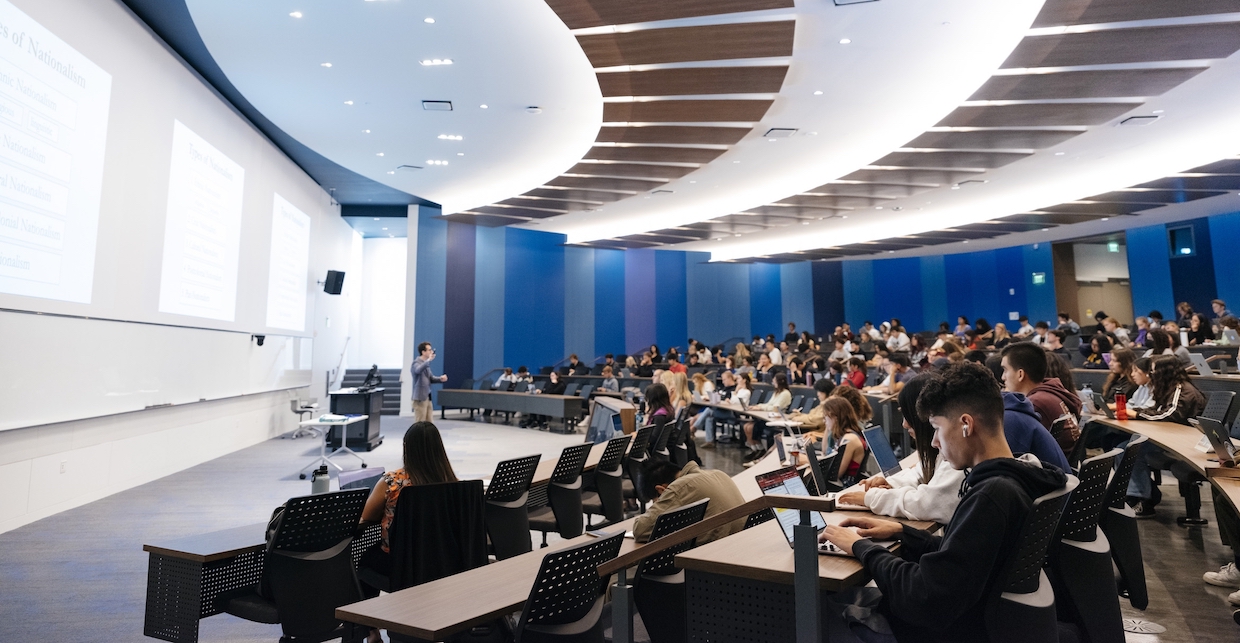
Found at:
<point>1039,278</point>
<point>1112,246</point>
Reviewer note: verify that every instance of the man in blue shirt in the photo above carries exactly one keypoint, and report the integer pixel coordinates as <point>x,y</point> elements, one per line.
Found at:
<point>422,378</point>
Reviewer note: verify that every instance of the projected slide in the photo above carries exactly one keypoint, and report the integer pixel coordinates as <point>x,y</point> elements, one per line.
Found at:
<point>53,128</point>
<point>290,263</point>
<point>203,230</point>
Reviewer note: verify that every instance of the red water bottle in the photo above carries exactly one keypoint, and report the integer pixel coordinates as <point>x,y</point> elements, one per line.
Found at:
<point>1121,406</point>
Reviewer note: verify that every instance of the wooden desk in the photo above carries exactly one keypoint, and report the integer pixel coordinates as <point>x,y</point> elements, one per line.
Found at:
<point>185,575</point>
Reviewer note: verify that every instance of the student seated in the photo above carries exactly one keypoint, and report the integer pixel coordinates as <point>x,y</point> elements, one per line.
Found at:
<point>674,487</point>
<point>861,406</point>
<point>899,371</point>
<point>857,372</point>
<point>1098,354</point>
<point>755,429</point>
<point>937,587</point>
<point>609,383</point>
<point>813,422</point>
<point>1174,399</point>
<point>928,491</point>
<point>844,433</point>
<point>1025,372</point>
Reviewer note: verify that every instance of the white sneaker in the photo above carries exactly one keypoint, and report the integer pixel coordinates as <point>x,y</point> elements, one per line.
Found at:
<point>1226,576</point>
<point>1234,598</point>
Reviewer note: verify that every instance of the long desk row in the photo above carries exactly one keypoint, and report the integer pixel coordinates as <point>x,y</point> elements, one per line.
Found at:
<point>1096,377</point>
<point>1180,442</point>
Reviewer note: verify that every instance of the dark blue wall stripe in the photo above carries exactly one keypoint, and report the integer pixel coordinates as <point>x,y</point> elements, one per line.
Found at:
<point>489,300</point>
<point>897,291</point>
<point>458,318</point>
<point>828,288</point>
<point>766,311</point>
<point>933,294</point>
<point>609,301</point>
<point>431,278</point>
<point>579,303</point>
<point>639,301</point>
<point>859,292</point>
<point>672,315</point>
<point>796,281</point>
<point>1149,270</point>
<point>1040,298</point>
<point>717,298</point>
<point>533,298</point>
<point>1192,277</point>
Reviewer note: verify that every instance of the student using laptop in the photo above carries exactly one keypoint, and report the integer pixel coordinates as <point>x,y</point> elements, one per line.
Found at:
<point>812,423</point>
<point>938,587</point>
<point>928,491</point>
<point>845,434</point>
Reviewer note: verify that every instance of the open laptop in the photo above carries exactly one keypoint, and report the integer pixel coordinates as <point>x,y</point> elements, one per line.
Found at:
<point>787,481</point>
<point>1224,448</point>
<point>1199,360</point>
<point>880,446</point>
<point>1100,404</point>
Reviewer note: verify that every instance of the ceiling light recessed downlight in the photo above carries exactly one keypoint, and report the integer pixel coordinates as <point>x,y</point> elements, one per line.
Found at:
<point>435,62</point>
<point>460,154</point>
<point>451,137</point>
<point>429,21</point>
<point>365,131</point>
<point>533,109</point>
<point>436,162</point>
<point>818,92</point>
<point>379,154</point>
<point>348,102</point>
<point>377,218</point>
<point>845,41</point>
<point>295,14</point>
<point>437,105</point>
<point>325,64</point>
<point>483,106</point>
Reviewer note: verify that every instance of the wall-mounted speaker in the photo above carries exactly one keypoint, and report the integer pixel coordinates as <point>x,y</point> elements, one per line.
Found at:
<point>334,282</point>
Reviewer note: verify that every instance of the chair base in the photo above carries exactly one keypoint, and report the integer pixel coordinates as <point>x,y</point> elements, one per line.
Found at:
<point>1186,521</point>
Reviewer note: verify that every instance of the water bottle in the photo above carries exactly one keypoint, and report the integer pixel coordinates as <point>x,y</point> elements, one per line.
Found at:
<point>320,481</point>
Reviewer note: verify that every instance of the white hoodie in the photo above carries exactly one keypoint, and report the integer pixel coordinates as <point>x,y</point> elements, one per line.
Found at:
<point>909,498</point>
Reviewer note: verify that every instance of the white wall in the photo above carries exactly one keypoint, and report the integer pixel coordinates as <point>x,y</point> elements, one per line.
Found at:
<point>151,88</point>
<point>1095,263</point>
<point>382,328</point>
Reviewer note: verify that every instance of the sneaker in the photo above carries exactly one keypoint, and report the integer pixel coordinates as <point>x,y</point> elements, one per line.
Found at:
<point>1144,509</point>
<point>1234,599</point>
<point>1226,576</point>
<point>755,455</point>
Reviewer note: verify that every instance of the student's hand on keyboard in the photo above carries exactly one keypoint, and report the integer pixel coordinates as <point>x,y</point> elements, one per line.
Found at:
<point>841,537</point>
<point>875,482</point>
<point>874,528</point>
<point>851,498</point>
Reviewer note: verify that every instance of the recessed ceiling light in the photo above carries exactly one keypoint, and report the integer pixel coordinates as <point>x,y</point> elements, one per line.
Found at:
<point>451,137</point>
<point>1046,229</point>
<point>376,218</point>
<point>805,223</point>
<point>1158,111</point>
<point>736,161</point>
<point>966,241</point>
<point>389,172</point>
<point>325,64</point>
<point>365,131</point>
<point>385,228</point>
<point>295,14</point>
<point>1059,153</point>
<point>955,187</point>
<point>1106,218</point>
<point>348,102</point>
<point>878,207</point>
<point>460,154</point>
<point>429,21</point>
<point>891,252</point>
<point>436,162</point>
<point>379,154</point>
<point>737,234</point>
<point>845,216</point>
<point>483,106</point>
<point>845,41</point>
<point>818,93</point>
<point>693,181</point>
<point>432,62</point>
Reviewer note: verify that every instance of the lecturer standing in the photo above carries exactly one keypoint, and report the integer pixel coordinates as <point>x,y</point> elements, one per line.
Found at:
<point>422,378</point>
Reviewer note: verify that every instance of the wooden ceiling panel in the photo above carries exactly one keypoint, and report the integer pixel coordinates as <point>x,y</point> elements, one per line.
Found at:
<point>867,189</point>
<point>781,217</point>
<point>933,178</point>
<point>1101,209</point>
<point>1230,182</point>
<point>654,237</point>
<point>1226,166</point>
<point>993,139</point>
<point>635,170</point>
<point>686,111</point>
<point>1035,115</point>
<point>790,212</point>
<point>672,135</point>
<point>1185,42</point>
<point>484,220</point>
<point>584,196</point>
<point>1079,12</point>
<point>1054,217</point>
<point>684,44</point>
<point>693,81</point>
<point>579,14</point>
<point>1085,84</point>
<point>837,202</point>
<point>983,160</point>
<point>1007,226</point>
<point>625,243</point>
<point>650,154</point>
<point>690,234</point>
<point>1161,197</point>
<point>617,185</point>
<point>547,204</point>
<point>525,213</point>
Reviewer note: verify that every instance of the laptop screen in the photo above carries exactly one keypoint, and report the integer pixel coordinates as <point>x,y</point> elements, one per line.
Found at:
<point>787,481</point>
<point>880,446</point>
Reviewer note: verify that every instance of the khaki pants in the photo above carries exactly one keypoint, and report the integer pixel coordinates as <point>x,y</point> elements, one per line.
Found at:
<point>423,411</point>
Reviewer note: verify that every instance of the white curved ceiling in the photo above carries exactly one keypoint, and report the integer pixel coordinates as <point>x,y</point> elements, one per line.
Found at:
<point>506,55</point>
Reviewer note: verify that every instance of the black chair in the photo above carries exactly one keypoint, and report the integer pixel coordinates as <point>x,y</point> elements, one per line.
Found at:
<point>571,389</point>
<point>507,518</point>
<point>1119,524</point>
<point>521,387</point>
<point>659,587</point>
<point>584,392</point>
<point>678,450</point>
<point>563,511</point>
<point>1025,611</point>
<point>1080,558</point>
<point>830,466</point>
<point>566,601</point>
<point>307,570</point>
<point>758,517</point>
<point>639,454</point>
<point>607,500</point>
<point>810,402</point>
<point>797,400</point>
<point>1218,407</point>
<point>658,445</point>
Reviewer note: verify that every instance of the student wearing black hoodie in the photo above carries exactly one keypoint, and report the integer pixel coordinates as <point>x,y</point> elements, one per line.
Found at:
<point>937,587</point>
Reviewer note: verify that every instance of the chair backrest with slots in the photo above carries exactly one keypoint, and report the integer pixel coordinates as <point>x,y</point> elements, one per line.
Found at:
<point>758,517</point>
<point>319,522</point>
<point>568,584</point>
<point>1117,490</point>
<point>1218,406</point>
<point>664,562</point>
<point>572,461</point>
<point>613,455</point>
<point>1036,536</point>
<point>512,478</point>
<point>641,444</point>
<point>1080,515</point>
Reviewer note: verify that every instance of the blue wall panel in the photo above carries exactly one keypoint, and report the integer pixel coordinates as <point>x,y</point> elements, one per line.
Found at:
<point>897,291</point>
<point>1192,277</point>
<point>933,295</point>
<point>458,310</point>
<point>985,287</point>
<point>1040,298</point>
<point>489,300</point>
<point>579,303</point>
<point>796,280</point>
<point>828,281</point>
<point>859,292</point>
<point>639,301</point>
<point>765,306</point>
<point>671,309</point>
<point>1010,266</point>
<point>956,269</point>
<point>432,258</point>
<point>1225,242</point>
<point>1149,270</point>
<point>717,299</point>
<point>533,298</point>
<point>609,301</point>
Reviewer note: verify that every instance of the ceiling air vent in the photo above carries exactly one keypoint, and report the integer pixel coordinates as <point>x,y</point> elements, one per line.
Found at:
<point>437,105</point>
<point>1139,121</point>
<point>780,132</point>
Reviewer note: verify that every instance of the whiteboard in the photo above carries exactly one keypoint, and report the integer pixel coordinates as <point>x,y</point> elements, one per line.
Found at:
<point>60,368</point>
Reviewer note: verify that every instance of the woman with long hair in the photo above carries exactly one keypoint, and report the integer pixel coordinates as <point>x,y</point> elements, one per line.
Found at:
<point>1199,330</point>
<point>861,406</point>
<point>845,430</point>
<point>425,462</point>
<point>962,325</point>
<point>917,351</point>
<point>677,388</point>
<point>755,430</point>
<point>1119,381</point>
<point>928,491</point>
<point>1175,398</point>
<point>1099,352</point>
<point>1001,336</point>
